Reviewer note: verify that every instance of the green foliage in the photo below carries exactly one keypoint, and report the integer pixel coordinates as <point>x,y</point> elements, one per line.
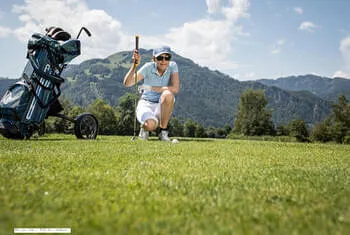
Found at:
<point>347,139</point>
<point>175,127</point>
<point>190,128</point>
<point>120,120</point>
<point>337,126</point>
<point>99,69</point>
<point>227,129</point>
<point>115,186</point>
<point>75,111</point>
<point>323,131</point>
<point>211,132</point>
<point>59,125</point>
<point>252,117</point>
<point>200,132</point>
<point>282,130</point>
<point>297,129</point>
<point>105,116</point>
<point>126,114</point>
<point>341,114</point>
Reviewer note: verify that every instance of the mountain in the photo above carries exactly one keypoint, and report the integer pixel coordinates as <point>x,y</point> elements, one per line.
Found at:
<point>208,97</point>
<point>326,88</point>
<point>292,105</point>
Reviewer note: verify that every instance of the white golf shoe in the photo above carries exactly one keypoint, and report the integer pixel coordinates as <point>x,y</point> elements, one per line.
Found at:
<point>143,135</point>
<point>163,135</point>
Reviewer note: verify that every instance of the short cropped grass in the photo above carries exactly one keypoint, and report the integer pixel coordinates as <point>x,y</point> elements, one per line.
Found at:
<point>115,186</point>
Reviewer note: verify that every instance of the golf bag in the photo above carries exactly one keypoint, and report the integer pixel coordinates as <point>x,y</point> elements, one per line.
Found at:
<point>29,101</point>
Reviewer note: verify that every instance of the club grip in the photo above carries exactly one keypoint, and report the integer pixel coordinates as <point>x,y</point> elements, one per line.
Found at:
<point>137,42</point>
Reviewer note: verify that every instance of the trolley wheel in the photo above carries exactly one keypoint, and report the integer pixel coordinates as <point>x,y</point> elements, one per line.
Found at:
<point>86,126</point>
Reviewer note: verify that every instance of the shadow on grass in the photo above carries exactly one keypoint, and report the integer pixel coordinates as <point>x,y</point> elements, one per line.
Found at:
<point>196,139</point>
<point>46,139</point>
<point>61,139</point>
<point>184,139</point>
<point>49,140</point>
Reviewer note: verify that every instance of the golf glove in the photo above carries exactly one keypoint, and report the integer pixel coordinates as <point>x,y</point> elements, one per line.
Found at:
<point>144,87</point>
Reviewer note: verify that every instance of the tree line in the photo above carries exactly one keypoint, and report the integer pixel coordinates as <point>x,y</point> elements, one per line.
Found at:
<point>251,119</point>
<point>119,120</point>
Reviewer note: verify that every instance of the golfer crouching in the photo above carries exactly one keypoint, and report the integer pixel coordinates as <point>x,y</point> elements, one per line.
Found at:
<point>161,84</point>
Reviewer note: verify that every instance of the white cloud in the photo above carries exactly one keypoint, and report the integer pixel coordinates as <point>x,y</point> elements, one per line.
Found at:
<point>298,10</point>
<point>307,26</point>
<point>207,41</point>
<point>341,74</point>
<point>316,74</point>
<point>245,76</point>
<point>345,51</point>
<point>276,50</point>
<point>277,47</point>
<point>237,10</point>
<point>214,6</point>
<point>250,75</point>
<point>70,15</point>
<point>4,32</point>
<point>280,42</point>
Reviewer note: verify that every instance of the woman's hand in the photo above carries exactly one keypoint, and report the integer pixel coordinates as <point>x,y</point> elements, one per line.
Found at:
<point>136,57</point>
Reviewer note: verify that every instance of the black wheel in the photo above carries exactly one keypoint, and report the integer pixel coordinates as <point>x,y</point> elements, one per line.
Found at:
<point>86,126</point>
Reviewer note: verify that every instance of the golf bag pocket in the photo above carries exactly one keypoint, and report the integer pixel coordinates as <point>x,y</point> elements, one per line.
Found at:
<point>15,101</point>
<point>44,94</point>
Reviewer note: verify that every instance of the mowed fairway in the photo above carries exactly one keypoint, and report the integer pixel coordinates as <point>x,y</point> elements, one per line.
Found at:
<point>115,186</point>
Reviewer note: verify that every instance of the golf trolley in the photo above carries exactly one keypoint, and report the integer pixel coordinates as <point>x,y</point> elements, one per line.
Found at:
<point>29,101</point>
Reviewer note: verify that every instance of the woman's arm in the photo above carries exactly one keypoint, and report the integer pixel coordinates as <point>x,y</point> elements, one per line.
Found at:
<point>129,78</point>
<point>174,87</point>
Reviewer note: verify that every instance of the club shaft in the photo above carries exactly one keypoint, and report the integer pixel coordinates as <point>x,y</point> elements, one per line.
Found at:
<point>136,63</point>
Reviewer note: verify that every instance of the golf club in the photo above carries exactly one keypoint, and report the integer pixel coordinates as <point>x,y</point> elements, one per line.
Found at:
<point>85,30</point>
<point>136,94</point>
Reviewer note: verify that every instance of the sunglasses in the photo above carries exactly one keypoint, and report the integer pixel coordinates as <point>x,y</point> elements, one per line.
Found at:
<point>161,57</point>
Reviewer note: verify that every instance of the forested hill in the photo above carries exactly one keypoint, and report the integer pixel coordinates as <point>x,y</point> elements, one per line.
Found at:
<point>207,97</point>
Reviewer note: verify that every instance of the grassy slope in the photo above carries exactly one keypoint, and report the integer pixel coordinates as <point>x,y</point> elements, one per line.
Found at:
<point>115,186</point>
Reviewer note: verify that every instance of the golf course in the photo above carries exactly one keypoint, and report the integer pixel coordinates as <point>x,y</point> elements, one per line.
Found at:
<point>112,185</point>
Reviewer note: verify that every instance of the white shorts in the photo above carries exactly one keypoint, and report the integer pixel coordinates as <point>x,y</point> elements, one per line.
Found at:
<point>147,110</point>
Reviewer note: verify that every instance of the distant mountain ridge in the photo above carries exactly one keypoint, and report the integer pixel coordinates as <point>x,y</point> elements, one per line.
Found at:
<point>208,97</point>
<point>326,88</point>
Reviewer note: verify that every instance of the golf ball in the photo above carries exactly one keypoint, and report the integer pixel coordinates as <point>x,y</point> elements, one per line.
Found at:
<point>175,141</point>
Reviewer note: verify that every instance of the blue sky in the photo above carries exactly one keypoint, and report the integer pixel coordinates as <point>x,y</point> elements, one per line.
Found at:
<point>247,39</point>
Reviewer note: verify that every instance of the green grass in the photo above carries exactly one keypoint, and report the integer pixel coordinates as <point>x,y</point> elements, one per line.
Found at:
<point>115,186</point>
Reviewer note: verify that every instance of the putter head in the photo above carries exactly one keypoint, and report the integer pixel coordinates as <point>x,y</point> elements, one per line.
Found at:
<point>133,138</point>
